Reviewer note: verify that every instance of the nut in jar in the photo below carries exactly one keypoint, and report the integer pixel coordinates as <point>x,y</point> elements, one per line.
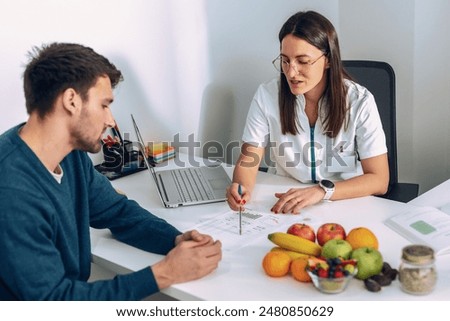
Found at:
<point>417,272</point>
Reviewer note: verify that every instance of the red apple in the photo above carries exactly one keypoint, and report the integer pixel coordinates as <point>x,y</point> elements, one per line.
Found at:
<point>330,231</point>
<point>302,230</point>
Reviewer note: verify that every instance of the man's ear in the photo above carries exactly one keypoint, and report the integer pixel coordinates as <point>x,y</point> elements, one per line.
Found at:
<point>71,101</point>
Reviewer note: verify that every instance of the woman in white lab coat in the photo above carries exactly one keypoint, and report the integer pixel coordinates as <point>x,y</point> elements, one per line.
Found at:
<point>322,127</point>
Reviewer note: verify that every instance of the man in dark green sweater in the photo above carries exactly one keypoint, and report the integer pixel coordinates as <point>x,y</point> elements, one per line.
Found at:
<point>50,194</point>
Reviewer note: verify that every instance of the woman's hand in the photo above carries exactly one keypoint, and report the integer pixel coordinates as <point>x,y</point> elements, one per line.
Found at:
<point>297,198</point>
<point>234,199</point>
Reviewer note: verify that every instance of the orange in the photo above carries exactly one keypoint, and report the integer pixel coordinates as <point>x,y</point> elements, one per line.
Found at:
<point>298,269</point>
<point>362,237</point>
<point>276,263</point>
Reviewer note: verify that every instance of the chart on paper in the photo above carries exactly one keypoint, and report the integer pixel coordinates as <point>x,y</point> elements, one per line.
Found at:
<point>225,227</point>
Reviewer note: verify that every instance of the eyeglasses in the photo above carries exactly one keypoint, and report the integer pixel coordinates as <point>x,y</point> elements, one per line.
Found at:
<point>283,65</point>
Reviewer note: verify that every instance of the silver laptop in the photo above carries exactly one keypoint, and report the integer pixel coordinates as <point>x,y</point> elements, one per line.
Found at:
<point>187,186</point>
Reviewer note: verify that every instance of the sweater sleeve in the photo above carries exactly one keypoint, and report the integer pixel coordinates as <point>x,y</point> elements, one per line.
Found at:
<point>127,220</point>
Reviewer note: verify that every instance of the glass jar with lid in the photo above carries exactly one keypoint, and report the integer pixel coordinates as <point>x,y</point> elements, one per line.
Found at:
<point>417,272</point>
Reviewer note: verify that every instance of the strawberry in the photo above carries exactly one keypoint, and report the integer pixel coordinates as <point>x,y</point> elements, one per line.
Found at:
<point>339,274</point>
<point>322,273</point>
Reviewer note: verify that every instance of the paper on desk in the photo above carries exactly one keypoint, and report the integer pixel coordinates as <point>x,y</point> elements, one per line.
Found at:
<point>423,225</point>
<point>445,208</point>
<point>255,225</point>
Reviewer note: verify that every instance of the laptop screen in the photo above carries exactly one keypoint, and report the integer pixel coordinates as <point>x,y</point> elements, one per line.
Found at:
<point>142,146</point>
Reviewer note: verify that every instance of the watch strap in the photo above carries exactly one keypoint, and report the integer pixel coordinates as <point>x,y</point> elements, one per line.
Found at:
<point>328,194</point>
<point>328,190</point>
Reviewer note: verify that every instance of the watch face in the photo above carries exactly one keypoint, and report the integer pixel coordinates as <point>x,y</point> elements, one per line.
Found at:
<point>326,183</point>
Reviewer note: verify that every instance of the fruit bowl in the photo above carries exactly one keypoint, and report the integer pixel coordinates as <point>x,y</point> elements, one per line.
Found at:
<point>331,285</point>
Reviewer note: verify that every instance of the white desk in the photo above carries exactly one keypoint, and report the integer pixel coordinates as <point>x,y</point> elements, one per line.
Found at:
<point>240,275</point>
<point>436,197</point>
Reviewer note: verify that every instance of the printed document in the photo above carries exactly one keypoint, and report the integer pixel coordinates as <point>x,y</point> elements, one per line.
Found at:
<point>424,225</point>
<point>255,225</point>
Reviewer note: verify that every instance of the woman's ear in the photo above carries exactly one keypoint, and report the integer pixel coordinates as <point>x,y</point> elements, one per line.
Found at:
<point>327,63</point>
<point>71,101</point>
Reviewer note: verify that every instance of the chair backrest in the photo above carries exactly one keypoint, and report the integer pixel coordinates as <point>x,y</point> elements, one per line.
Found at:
<point>379,78</point>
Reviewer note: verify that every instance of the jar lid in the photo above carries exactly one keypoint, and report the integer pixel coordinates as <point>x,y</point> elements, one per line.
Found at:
<point>418,254</point>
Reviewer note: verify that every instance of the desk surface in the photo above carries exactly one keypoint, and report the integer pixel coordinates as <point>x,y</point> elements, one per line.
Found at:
<point>436,197</point>
<point>240,275</point>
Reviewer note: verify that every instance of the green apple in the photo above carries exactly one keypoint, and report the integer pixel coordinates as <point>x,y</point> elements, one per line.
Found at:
<point>369,262</point>
<point>336,248</point>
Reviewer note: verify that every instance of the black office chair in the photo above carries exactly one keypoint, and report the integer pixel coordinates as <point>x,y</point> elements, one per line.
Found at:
<point>379,78</point>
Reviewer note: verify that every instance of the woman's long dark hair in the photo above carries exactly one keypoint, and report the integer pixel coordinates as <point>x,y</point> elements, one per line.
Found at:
<point>319,32</point>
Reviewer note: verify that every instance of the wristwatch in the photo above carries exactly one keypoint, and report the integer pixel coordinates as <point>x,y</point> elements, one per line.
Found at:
<point>328,187</point>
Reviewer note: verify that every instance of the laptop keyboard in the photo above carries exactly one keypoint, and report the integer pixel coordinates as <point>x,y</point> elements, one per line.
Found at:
<point>191,184</point>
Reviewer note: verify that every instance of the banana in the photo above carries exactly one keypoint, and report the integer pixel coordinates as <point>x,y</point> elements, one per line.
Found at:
<point>292,254</point>
<point>295,243</point>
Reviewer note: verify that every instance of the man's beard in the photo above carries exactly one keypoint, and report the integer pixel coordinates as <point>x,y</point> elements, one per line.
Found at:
<point>92,147</point>
<point>84,144</point>
<point>82,140</point>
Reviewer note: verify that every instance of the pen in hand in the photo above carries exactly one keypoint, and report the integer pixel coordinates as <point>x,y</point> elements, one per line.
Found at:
<point>240,210</point>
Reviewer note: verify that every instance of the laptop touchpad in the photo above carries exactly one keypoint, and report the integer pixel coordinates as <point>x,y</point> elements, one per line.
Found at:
<point>218,184</point>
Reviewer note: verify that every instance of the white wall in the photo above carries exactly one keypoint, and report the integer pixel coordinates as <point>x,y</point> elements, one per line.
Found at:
<point>384,30</point>
<point>431,125</point>
<point>159,45</point>
<point>192,66</point>
<point>413,36</point>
